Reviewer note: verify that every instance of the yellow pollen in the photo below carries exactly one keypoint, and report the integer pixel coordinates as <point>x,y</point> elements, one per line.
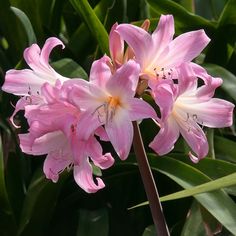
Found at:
<point>113,102</point>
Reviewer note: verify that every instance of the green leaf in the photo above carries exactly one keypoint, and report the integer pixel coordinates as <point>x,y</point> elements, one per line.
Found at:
<point>12,29</point>
<point>183,19</point>
<point>26,23</point>
<point>93,223</point>
<point>69,68</point>
<point>225,148</point>
<point>7,218</point>
<point>93,23</point>
<point>193,224</point>
<point>229,84</point>
<point>187,177</point>
<point>39,204</point>
<point>150,231</point>
<point>223,182</point>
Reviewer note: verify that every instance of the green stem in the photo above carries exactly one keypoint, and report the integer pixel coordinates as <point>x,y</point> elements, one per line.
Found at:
<point>149,184</point>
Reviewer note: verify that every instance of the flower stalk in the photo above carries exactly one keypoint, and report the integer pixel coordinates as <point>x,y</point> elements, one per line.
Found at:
<point>149,184</point>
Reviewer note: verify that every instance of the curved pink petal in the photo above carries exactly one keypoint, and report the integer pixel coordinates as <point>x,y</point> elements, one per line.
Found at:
<point>94,150</point>
<point>116,46</point>
<point>125,80</point>
<point>36,58</point>
<point>184,48</point>
<point>84,178</point>
<point>163,34</point>
<point>100,71</point>
<point>164,141</point>
<point>54,164</point>
<point>164,95</point>
<point>140,109</point>
<point>196,139</point>
<point>120,132</point>
<point>139,40</point>
<point>47,48</point>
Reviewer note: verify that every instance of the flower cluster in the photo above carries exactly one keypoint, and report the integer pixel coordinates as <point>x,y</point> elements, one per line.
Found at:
<point>68,117</point>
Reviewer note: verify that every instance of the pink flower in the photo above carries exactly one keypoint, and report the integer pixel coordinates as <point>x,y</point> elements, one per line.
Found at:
<point>109,100</point>
<point>159,54</point>
<point>28,82</point>
<point>185,108</point>
<point>52,131</point>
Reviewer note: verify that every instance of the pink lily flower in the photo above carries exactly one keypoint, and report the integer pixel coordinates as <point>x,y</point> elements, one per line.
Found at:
<point>28,82</point>
<point>53,132</point>
<point>108,99</point>
<point>159,54</point>
<point>185,108</point>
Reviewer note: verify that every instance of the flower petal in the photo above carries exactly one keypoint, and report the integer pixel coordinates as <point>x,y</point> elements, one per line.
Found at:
<point>84,178</point>
<point>54,164</point>
<point>120,132</point>
<point>164,141</point>
<point>164,95</point>
<point>196,139</point>
<point>140,109</point>
<point>23,82</point>
<point>116,46</point>
<point>94,150</point>
<point>139,40</point>
<point>125,80</point>
<point>48,142</point>
<point>163,34</point>
<point>215,113</point>
<point>184,48</point>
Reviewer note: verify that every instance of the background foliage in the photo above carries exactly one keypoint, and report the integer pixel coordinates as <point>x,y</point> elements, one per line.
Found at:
<point>31,205</point>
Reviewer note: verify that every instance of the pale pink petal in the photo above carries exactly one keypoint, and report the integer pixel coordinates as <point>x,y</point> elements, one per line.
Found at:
<point>22,82</point>
<point>196,139</point>
<point>163,34</point>
<point>50,93</point>
<point>94,150</point>
<point>140,109</point>
<point>164,141</point>
<point>101,132</point>
<point>100,71</point>
<point>120,132</point>
<point>164,95</point>
<point>139,40</point>
<point>87,96</point>
<point>84,178</point>
<point>45,144</point>
<point>88,122</point>
<point>125,80</point>
<point>184,48</point>
<point>215,113</point>
<point>54,164</point>
<point>116,46</point>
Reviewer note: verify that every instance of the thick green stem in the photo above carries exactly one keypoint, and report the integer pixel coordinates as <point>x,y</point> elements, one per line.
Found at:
<point>149,184</point>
